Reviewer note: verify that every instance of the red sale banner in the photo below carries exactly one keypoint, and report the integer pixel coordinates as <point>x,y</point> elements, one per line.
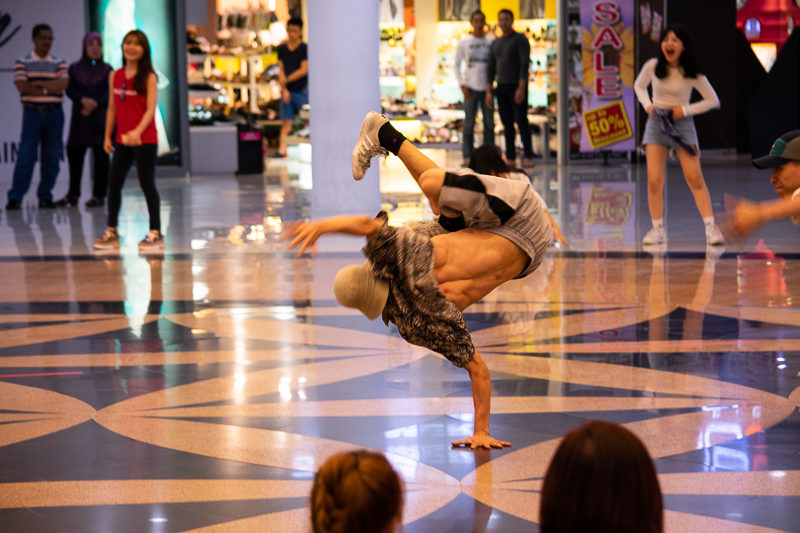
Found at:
<point>607,56</point>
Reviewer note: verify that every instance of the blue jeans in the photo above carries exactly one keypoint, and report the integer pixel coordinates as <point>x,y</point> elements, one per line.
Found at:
<point>511,112</point>
<point>297,101</point>
<point>47,127</point>
<point>476,98</point>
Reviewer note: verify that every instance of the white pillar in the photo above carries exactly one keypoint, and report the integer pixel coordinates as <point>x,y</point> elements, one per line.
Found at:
<point>343,38</point>
<point>426,48</point>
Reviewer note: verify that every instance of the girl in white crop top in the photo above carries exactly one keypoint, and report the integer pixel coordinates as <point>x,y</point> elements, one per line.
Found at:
<point>674,74</point>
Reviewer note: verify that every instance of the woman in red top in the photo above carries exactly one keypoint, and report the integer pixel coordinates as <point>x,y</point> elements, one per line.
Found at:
<point>132,109</point>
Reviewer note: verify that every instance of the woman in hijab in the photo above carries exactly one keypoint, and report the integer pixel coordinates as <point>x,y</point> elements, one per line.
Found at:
<point>88,89</point>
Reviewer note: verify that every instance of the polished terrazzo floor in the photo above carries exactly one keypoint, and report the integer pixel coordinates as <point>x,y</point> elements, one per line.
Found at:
<point>199,389</point>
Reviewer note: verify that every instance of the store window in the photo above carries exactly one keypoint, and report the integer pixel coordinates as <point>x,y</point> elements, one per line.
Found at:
<point>418,80</point>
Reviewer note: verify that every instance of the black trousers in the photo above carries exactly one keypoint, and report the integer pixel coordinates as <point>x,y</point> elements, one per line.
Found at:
<point>145,157</point>
<point>76,154</point>
<point>511,112</point>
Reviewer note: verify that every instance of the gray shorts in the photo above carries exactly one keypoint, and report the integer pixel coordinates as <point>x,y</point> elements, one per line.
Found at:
<point>685,125</point>
<point>529,229</point>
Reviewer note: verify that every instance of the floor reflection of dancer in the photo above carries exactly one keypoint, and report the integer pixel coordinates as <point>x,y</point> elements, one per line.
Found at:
<point>674,74</point>
<point>420,277</point>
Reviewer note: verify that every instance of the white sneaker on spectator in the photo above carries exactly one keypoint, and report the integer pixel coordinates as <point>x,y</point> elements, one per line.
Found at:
<point>714,236</point>
<point>368,145</point>
<point>655,236</point>
<point>656,250</point>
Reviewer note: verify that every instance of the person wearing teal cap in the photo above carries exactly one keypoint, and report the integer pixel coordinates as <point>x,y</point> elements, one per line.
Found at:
<point>784,160</point>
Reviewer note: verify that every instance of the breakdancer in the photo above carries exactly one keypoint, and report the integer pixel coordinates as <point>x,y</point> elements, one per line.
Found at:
<point>423,275</point>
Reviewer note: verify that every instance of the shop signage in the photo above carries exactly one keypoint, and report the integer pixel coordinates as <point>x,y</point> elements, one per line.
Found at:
<point>607,53</point>
<point>607,125</point>
<point>608,206</point>
<point>606,215</point>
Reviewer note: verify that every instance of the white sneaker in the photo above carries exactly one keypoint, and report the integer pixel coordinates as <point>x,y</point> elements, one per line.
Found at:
<point>713,253</point>
<point>656,250</point>
<point>714,236</point>
<point>655,236</point>
<point>368,145</point>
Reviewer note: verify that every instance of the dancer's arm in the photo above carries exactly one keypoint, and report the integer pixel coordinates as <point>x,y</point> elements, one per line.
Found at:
<point>482,403</point>
<point>748,216</point>
<point>306,233</point>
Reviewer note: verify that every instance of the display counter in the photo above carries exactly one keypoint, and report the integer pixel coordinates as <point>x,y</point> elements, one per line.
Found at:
<point>213,149</point>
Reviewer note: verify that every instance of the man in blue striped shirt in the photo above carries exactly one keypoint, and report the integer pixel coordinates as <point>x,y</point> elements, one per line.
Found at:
<point>41,79</point>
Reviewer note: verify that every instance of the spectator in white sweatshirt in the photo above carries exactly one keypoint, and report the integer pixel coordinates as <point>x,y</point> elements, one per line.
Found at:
<point>673,75</point>
<point>473,50</point>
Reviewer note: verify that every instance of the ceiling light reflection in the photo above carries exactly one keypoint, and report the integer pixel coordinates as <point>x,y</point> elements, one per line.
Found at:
<point>285,389</point>
<point>304,462</point>
<point>274,224</point>
<point>199,291</point>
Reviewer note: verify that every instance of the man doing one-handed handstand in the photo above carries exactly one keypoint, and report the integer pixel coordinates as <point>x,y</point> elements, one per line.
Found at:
<point>422,276</point>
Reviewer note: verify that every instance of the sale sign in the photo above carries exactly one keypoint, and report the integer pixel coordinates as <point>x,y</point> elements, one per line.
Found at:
<point>607,125</point>
<point>607,54</point>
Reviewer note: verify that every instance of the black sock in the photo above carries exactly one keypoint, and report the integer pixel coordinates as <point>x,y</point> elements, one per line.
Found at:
<point>390,138</point>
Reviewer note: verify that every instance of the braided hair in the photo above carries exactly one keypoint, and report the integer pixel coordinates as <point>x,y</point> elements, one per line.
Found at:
<point>356,492</point>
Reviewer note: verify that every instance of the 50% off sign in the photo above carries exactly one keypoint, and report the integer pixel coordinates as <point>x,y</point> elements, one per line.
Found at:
<point>607,124</point>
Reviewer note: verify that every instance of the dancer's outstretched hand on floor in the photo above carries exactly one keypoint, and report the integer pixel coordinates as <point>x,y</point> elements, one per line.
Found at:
<point>482,440</point>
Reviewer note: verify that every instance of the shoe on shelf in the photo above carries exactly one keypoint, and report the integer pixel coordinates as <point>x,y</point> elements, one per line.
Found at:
<point>67,201</point>
<point>714,236</point>
<point>13,205</point>
<point>655,236</point>
<point>109,240</point>
<point>94,202</point>
<point>154,240</point>
<point>278,155</point>
<point>368,145</point>
<point>47,204</point>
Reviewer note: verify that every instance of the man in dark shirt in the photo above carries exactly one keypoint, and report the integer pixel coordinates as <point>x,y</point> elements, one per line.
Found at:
<point>509,59</point>
<point>40,79</point>
<point>293,77</point>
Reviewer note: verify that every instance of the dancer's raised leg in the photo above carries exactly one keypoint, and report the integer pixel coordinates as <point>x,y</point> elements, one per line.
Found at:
<point>378,136</point>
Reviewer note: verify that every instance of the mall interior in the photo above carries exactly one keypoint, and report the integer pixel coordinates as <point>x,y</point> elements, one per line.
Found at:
<point>201,387</point>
